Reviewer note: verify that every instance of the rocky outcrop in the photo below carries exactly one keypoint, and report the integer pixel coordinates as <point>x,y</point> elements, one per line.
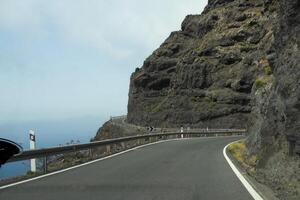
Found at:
<point>277,105</point>
<point>116,128</point>
<point>274,136</point>
<point>204,74</point>
<point>235,65</point>
<point>287,72</point>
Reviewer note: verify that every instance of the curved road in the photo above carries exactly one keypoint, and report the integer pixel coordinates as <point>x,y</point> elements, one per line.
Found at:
<point>191,169</point>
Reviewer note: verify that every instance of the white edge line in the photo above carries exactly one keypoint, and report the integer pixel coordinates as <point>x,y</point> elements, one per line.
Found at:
<point>247,185</point>
<point>87,163</point>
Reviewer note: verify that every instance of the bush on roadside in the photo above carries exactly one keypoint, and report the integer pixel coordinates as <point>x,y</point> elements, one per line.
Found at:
<point>239,151</point>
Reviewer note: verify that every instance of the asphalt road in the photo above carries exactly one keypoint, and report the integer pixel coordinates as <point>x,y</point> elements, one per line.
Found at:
<point>192,169</point>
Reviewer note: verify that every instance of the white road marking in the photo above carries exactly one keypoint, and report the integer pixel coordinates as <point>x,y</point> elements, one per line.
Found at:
<point>84,164</point>
<point>100,159</point>
<point>247,185</point>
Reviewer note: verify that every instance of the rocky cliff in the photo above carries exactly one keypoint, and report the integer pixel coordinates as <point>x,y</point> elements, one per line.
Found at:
<point>274,136</point>
<point>235,65</point>
<point>204,75</point>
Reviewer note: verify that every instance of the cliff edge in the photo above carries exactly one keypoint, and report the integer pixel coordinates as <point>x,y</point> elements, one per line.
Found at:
<point>205,74</point>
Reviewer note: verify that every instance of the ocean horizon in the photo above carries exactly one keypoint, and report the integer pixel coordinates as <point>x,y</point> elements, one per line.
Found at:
<point>48,134</point>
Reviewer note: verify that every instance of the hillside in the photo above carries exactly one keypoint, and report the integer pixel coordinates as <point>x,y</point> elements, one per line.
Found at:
<point>234,66</point>
<point>204,74</point>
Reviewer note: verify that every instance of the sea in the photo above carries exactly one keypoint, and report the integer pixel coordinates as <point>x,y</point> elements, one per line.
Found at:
<point>48,133</point>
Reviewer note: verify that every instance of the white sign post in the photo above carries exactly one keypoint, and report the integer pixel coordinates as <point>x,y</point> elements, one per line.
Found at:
<point>32,146</point>
<point>181,131</point>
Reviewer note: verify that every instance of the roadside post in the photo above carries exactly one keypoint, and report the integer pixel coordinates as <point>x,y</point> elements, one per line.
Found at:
<point>181,131</point>
<point>32,147</point>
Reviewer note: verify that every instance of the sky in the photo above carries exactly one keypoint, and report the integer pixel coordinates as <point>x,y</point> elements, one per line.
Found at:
<point>62,59</point>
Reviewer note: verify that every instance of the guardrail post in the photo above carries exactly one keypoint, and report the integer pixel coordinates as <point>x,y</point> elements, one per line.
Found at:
<point>90,153</point>
<point>123,145</point>
<point>181,131</point>
<point>32,147</point>
<point>108,149</point>
<point>45,165</point>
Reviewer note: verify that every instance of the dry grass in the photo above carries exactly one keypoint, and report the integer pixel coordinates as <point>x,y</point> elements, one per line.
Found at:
<point>239,151</point>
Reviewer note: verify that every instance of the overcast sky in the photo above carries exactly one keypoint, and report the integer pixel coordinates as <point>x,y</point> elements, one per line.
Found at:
<point>72,58</point>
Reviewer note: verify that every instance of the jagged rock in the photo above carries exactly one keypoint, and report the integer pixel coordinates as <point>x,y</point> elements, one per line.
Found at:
<point>215,3</point>
<point>241,17</point>
<point>230,58</point>
<point>240,36</point>
<point>226,42</point>
<point>211,54</point>
<point>235,65</point>
<point>195,26</point>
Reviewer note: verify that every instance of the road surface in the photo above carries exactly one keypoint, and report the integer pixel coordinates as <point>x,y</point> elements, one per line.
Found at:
<point>190,169</point>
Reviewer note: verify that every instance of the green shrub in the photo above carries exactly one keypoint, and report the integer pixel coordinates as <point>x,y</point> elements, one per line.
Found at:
<point>240,152</point>
<point>194,99</point>
<point>268,70</point>
<point>207,100</point>
<point>209,103</point>
<point>259,83</point>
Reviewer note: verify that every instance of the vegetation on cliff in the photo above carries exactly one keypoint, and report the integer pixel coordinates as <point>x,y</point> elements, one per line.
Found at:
<point>204,74</point>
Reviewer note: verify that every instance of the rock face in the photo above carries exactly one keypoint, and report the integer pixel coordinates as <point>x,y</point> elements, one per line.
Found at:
<point>235,65</point>
<point>204,74</point>
<point>274,135</point>
<point>115,128</point>
<point>276,105</point>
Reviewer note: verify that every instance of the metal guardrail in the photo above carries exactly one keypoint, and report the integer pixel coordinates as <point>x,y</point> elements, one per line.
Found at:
<point>45,152</point>
<point>118,117</point>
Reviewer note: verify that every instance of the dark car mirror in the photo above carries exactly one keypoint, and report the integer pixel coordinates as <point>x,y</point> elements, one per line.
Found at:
<point>8,149</point>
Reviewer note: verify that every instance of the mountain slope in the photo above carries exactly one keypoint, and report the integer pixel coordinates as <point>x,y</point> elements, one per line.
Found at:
<point>204,74</point>
<point>235,65</point>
